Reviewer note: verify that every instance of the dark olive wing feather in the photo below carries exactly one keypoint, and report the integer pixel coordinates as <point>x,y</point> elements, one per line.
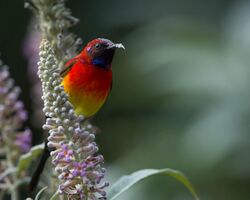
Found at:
<point>69,65</point>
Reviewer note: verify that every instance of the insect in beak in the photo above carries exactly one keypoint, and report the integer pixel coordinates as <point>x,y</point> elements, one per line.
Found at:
<point>118,45</point>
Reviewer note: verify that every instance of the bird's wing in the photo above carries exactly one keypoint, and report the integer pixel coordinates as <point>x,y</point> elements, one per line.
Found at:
<point>69,65</point>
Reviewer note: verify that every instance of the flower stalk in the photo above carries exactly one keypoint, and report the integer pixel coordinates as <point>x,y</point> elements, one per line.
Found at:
<point>75,157</point>
<point>54,21</point>
<point>13,140</point>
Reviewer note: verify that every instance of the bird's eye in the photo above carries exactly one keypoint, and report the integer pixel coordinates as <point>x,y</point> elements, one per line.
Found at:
<point>97,46</point>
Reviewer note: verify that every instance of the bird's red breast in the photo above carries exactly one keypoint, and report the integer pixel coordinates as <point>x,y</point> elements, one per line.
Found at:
<point>88,87</point>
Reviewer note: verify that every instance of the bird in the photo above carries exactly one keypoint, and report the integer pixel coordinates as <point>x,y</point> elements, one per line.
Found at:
<point>87,79</point>
<point>88,76</point>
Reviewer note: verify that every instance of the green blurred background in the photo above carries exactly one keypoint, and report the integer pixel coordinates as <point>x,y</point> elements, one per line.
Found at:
<point>181,95</point>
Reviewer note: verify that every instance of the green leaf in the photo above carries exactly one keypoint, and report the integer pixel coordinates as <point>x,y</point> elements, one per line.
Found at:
<point>40,193</point>
<point>26,159</point>
<point>54,197</point>
<point>125,182</point>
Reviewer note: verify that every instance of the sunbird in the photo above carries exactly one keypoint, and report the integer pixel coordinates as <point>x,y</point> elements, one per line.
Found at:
<point>87,79</point>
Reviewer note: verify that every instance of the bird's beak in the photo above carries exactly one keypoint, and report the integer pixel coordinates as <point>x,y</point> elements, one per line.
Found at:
<point>117,45</point>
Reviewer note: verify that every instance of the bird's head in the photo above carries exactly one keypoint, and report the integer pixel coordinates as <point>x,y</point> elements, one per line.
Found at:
<point>100,52</point>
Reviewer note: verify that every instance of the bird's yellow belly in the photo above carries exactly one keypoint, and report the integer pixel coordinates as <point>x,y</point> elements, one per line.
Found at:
<point>87,104</point>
